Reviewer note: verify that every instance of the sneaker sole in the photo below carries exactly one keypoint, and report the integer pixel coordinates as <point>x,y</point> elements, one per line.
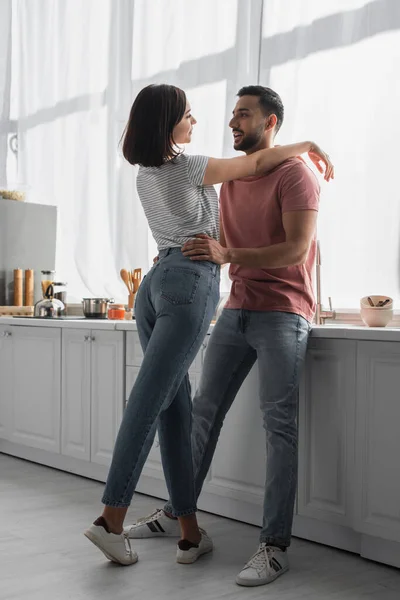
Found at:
<point>256,582</point>
<point>113,559</point>
<point>189,560</point>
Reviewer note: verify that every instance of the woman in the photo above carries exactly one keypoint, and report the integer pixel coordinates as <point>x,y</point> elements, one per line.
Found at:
<point>174,308</point>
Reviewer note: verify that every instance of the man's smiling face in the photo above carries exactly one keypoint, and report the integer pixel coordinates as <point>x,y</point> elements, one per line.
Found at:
<point>248,124</point>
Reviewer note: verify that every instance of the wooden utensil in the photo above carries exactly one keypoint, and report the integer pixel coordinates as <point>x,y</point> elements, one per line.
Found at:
<point>137,278</point>
<point>125,278</point>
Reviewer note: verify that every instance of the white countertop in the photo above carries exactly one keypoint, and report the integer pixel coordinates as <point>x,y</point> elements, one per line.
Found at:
<point>334,331</point>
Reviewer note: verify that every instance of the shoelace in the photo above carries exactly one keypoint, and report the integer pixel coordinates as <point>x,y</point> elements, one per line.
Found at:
<point>261,558</point>
<point>127,543</point>
<point>157,514</point>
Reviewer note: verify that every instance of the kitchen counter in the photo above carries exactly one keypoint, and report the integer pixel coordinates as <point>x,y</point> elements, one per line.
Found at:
<point>72,323</point>
<point>331,331</point>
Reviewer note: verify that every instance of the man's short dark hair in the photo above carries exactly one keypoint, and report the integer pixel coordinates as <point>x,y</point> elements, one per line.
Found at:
<point>147,139</point>
<point>270,102</point>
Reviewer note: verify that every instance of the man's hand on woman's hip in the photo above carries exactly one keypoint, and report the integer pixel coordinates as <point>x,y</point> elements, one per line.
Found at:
<point>203,247</point>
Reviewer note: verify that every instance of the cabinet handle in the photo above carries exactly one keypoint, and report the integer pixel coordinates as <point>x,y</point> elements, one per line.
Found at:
<point>7,334</point>
<point>87,338</point>
<point>92,339</point>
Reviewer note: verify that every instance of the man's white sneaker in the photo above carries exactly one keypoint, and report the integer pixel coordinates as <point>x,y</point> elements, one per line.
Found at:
<point>155,525</point>
<point>263,567</point>
<point>116,548</point>
<point>188,553</point>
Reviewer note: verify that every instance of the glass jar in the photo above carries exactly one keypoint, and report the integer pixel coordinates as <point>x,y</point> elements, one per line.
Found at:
<point>116,312</point>
<point>47,279</point>
<point>60,291</point>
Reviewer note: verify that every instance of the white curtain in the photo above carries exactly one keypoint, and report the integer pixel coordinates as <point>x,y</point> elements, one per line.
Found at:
<point>336,64</point>
<point>72,70</point>
<point>81,64</point>
<point>5,86</point>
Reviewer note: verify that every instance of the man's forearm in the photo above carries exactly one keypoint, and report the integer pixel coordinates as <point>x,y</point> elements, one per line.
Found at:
<point>286,254</point>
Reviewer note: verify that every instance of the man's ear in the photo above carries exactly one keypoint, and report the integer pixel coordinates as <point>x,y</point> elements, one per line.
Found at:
<point>270,122</point>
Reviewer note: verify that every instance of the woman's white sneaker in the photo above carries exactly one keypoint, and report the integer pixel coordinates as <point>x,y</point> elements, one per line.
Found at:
<point>155,525</point>
<point>187,553</point>
<point>115,547</point>
<point>264,566</point>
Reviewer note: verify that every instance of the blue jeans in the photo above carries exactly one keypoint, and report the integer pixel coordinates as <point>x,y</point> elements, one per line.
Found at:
<point>173,310</point>
<point>278,341</point>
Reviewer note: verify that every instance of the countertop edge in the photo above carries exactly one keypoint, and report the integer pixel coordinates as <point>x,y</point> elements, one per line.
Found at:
<point>360,333</point>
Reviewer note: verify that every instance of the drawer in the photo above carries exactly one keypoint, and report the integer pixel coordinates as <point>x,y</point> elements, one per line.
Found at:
<point>134,354</point>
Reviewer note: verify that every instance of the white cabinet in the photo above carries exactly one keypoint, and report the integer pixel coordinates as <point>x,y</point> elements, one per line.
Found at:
<point>6,384</point>
<point>75,393</point>
<point>378,440</point>
<point>30,386</point>
<point>92,393</point>
<point>326,431</point>
<point>234,486</point>
<point>62,394</point>
<point>107,393</point>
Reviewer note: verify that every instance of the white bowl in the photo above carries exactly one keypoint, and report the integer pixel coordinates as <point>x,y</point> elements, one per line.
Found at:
<point>375,316</point>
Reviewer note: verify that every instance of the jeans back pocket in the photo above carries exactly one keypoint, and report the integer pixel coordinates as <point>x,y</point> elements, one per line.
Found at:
<point>179,285</point>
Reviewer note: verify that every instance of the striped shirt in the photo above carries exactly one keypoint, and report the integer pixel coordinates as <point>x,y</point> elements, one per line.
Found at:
<point>175,202</point>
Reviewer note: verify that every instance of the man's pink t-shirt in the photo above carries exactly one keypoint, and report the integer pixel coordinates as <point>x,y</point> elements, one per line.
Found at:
<point>251,216</point>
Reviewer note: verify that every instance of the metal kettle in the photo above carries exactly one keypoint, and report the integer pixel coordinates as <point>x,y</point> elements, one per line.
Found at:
<point>49,307</point>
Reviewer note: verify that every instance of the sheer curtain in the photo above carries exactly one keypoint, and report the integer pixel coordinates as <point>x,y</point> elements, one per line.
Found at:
<point>336,64</point>
<point>72,70</point>
<point>5,85</point>
<point>81,64</point>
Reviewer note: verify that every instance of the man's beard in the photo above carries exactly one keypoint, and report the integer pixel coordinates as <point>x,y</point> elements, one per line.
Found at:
<point>250,140</point>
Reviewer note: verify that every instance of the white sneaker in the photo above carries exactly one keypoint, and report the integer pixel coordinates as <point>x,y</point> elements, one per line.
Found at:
<point>264,566</point>
<point>188,553</point>
<point>116,548</point>
<point>155,525</point>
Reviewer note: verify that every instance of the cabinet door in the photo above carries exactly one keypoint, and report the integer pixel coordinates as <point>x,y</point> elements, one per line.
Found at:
<point>75,393</point>
<point>35,373</point>
<point>326,431</point>
<point>107,392</point>
<point>235,482</point>
<point>134,353</point>
<point>5,379</point>
<point>378,440</point>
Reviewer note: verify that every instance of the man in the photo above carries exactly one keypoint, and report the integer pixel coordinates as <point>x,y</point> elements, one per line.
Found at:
<point>268,237</point>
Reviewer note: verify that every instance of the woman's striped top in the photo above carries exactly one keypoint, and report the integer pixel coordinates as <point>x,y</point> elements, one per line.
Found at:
<point>175,202</point>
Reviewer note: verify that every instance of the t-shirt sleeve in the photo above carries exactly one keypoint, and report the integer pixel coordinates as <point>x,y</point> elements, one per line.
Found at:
<point>299,189</point>
<point>196,167</point>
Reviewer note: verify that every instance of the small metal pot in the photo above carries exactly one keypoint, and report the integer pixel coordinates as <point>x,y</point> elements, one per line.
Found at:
<point>96,308</point>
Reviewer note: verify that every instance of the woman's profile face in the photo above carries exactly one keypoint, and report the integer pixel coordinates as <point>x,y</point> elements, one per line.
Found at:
<point>182,133</point>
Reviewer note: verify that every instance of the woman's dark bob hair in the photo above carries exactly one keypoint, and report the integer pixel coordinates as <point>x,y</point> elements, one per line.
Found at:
<point>147,139</point>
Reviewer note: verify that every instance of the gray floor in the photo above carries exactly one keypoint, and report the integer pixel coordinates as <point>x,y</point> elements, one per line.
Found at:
<point>43,554</point>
